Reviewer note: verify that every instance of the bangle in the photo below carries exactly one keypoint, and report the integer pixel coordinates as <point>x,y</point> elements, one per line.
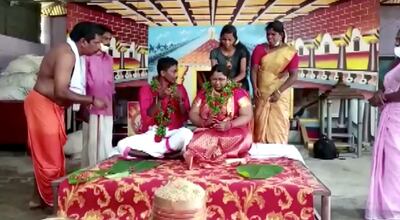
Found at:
<point>279,92</point>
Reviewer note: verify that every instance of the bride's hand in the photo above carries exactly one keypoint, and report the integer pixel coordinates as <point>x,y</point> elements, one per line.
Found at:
<point>208,123</point>
<point>223,126</point>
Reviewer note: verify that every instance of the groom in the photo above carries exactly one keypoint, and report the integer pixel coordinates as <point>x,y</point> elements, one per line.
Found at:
<point>164,109</point>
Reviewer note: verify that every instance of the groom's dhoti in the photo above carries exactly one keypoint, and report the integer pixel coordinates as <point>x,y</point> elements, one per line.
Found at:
<point>174,140</point>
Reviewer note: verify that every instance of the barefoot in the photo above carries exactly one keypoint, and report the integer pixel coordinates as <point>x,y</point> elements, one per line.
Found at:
<point>36,201</point>
<point>34,204</point>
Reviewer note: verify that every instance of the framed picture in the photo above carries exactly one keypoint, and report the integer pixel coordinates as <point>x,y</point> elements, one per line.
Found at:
<point>134,118</point>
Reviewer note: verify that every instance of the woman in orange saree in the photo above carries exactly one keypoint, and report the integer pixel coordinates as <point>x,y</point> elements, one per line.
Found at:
<point>274,70</point>
<point>222,112</point>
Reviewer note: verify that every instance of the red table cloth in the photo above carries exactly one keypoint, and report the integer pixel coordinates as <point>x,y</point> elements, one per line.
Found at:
<point>285,196</point>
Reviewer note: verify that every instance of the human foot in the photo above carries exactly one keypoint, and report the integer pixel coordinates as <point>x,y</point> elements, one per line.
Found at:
<point>35,204</point>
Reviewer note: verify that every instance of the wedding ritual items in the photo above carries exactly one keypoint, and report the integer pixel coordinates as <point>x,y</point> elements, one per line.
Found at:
<point>179,199</point>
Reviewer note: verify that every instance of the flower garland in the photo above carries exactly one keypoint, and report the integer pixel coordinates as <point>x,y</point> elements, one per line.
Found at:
<point>163,118</point>
<point>215,103</point>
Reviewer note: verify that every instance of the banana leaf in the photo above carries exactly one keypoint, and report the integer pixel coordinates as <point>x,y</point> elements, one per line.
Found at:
<point>121,168</point>
<point>83,176</point>
<point>132,166</point>
<point>258,171</point>
<point>117,175</point>
<point>144,165</point>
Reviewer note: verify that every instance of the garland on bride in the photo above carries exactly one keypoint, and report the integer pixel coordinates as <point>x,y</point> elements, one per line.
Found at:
<point>214,102</point>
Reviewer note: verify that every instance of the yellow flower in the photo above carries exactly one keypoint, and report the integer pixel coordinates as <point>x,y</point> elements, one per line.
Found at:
<point>93,215</point>
<point>274,216</point>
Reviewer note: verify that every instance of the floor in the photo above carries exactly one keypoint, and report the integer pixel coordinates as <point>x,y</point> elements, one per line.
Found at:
<point>348,180</point>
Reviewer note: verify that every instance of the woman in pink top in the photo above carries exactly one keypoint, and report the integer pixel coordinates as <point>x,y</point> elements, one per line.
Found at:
<point>384,193</point>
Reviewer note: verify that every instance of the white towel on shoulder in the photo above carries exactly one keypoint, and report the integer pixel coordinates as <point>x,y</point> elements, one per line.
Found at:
<point>78,79</point>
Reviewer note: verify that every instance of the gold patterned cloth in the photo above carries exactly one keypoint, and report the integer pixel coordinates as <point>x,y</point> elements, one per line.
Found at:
<point>271,120</point>
<point>287,195</point>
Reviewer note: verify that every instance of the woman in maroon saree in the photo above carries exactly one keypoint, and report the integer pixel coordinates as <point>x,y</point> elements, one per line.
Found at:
<point>222,112</point>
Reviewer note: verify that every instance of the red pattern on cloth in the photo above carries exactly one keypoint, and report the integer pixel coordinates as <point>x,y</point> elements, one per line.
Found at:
<point>287,195</point>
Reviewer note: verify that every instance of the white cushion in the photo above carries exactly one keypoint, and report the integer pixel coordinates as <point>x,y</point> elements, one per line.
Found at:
<point>73,147</point>
<point>25,64</point>
<point>24,80</point>
<point>12,93</point>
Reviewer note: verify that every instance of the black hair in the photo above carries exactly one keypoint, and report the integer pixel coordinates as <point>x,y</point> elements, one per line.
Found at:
<point>221,69</point>
<point>229,29</point>
<point>106,29</point>
<point>278,27</point>
<point>86,30</point>
<point>165,63</point>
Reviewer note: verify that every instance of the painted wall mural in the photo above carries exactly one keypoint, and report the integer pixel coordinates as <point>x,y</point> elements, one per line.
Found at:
<point>353,53</point>
<point>340,38</point>
<point>191,46</point>
<point>129,45</point>
<point>325,50</point>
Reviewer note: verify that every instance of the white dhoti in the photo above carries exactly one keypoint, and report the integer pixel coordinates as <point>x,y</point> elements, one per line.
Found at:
<point>97,139</point>
<point>174,140</point>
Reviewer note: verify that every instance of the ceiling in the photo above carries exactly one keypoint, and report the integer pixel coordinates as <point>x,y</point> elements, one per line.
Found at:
<point>209,12</point>
<point>200,12</point>
<point>55,8</point>
<point>390,2</point>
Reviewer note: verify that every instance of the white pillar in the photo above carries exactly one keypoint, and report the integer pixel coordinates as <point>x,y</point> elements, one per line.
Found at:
<point>329,119</point>
<point>359,127</point>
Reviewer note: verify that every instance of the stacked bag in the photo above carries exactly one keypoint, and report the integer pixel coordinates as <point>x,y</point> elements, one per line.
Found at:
<point>19,77</point>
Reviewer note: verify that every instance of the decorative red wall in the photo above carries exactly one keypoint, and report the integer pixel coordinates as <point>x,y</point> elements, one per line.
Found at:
<point>125,30</point>
<point>361,14</point>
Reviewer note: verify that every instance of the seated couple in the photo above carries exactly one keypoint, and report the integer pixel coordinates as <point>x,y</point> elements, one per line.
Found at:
<point>221,112</point>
